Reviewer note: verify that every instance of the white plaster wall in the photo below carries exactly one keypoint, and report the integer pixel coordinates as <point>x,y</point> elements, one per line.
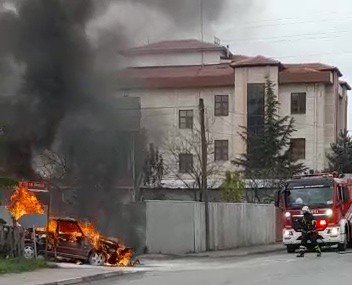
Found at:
<point>342,109</point>
<point>243,76</point>
<point>331,117</point>
<point>309,126</point>
<point>160,118</point>
<point>174,59</point>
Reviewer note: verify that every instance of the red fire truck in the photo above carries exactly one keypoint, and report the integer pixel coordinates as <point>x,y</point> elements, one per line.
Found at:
<point>330,200</point>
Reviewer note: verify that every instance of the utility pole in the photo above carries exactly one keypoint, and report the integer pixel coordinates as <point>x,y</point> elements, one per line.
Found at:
<point>202,28</point>
<point>204,171</point>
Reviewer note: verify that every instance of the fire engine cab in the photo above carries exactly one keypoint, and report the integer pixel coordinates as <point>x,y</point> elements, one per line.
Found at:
<point>330,201</point>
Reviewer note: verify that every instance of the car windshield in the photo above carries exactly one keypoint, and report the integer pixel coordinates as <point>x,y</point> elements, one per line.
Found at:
<point>317,196</point>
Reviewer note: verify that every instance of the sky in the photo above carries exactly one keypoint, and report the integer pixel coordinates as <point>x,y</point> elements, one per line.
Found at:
<point>291,31</point>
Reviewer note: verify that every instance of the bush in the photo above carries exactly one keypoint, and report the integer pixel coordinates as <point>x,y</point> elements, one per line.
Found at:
<point>232,189</point>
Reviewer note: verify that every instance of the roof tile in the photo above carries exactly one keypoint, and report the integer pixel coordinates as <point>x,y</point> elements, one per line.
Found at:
<point>177,76</point>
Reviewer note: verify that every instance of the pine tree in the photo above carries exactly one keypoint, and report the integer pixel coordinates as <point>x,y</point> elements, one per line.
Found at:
<point>268,152</point>
<point>340,158</point>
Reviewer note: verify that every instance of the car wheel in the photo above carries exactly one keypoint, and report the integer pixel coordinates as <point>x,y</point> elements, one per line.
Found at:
<point>28,251</point>
<point>291,248</point>
<point>97,258</point>
<point>343,246</point>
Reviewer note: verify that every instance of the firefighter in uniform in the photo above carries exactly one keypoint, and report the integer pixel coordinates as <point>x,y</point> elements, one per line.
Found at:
<point>309,233</point>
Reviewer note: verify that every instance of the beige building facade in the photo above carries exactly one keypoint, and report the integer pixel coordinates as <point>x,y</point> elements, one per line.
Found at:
<point>170,78</point>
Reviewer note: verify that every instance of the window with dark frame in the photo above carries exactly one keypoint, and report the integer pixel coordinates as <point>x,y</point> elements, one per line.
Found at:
<point>255,107</point>
<point>298,148</point>
<point>186,119</point>
<point>298,103</point>
<point>221,105</point>
<point>221,150</point>
<point>185,162</point>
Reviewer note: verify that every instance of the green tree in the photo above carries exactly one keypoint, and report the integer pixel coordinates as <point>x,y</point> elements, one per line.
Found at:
<point>268,153</point>
<point>340,157</point>
<point>153,167</point>
<point>232,189</point>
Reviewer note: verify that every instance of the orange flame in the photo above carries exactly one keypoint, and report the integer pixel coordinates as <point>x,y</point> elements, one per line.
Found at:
<point>24,202</point>
<point>52,226</point>
<point>123,254</point>
<point>91,232</point>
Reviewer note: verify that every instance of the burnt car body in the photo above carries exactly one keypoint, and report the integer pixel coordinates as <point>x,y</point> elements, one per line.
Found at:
<point>67,240</point>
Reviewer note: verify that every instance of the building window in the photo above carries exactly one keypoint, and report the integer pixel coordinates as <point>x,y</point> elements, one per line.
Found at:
<point>255,107</point>
<point>221,105</point>
<point>298,103</point>
<point>255,113</point>
<point>221,150</point>
<point>298,148</point>
<point>186,119</point>
<point>185,162</point>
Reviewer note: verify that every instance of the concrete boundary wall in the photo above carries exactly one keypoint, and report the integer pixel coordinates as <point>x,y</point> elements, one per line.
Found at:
<point>179,227</point>
<point>174,227</point>
<point>238,225</point>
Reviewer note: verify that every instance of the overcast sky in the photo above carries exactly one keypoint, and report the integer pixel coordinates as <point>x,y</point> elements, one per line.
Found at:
<point>291,31</point>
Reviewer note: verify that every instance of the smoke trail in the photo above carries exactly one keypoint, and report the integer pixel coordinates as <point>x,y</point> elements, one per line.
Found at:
<point>60,95</point>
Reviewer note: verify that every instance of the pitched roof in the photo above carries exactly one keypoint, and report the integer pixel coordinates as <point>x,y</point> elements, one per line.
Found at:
<point>255,61</point>
<point>174,46</point>
<point>307,73</point>
<point>314,65</point>
<point>304,76</point>
<point>345,84</point>
<point>216,75</point>
<point>239,57</point>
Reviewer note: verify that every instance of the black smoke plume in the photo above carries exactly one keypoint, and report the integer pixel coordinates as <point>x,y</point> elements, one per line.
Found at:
<point>57,89</point>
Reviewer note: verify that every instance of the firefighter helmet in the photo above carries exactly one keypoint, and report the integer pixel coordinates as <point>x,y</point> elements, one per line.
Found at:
<point>305,209</point>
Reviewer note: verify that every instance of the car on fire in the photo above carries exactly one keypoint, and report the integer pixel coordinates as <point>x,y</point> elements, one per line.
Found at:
<point>66,238</point>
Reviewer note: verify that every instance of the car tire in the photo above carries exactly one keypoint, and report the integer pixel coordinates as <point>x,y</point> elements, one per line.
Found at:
<point>343,246</point>
<point>28,251</point>
<point>291,248</point>
<point>97,258</point>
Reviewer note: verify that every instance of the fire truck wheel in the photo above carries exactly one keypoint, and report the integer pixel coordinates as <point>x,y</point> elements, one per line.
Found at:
<point>28,251</point>
<point>97,258</point>
<point>290,248</point>
<point>343,246</point>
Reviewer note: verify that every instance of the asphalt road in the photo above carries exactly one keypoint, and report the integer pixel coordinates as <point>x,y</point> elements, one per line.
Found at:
<point>268,269</point>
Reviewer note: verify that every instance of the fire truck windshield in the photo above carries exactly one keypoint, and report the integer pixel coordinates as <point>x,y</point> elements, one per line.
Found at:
<point>312,196</point>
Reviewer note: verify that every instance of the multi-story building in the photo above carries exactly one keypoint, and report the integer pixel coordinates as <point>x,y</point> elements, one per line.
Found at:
<point>169,78</point>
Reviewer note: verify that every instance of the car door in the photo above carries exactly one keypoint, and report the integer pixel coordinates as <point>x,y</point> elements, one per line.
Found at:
<point>70,240</point>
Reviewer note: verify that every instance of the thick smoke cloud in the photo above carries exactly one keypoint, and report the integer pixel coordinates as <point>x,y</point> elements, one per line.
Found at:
<point>57,85</point>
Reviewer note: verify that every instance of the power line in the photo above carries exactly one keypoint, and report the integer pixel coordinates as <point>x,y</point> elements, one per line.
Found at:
<point>291,18</point>
<point>314,54</point>
<point>292,38</point>
<point>295,23</point>
<point>332,32</point>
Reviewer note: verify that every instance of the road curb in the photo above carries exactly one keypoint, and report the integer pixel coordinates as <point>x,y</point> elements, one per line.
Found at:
<point>210,255</point>
<point>213,254</point>
<point>95,277</point>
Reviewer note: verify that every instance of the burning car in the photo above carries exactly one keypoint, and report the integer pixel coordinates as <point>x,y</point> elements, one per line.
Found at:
<point>70,239</point>
<point>64,237</point>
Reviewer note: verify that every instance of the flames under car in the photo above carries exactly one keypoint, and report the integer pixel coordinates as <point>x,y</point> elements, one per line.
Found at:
<point>70,239</point>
